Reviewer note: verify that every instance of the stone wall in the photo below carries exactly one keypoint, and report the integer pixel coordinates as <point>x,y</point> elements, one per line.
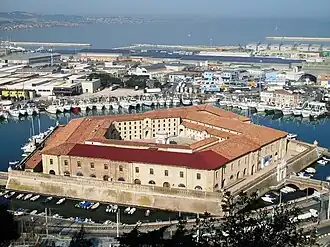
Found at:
<point>112,192</point>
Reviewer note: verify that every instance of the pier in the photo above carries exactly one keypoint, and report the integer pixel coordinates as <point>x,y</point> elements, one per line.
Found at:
<point>318,39</point>
<point>51,44</point>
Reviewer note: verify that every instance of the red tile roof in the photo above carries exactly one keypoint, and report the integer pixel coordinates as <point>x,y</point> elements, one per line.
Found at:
<point>205,160</point>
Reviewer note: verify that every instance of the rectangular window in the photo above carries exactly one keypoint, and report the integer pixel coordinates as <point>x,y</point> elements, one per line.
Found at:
<point>121,168</point>
<point>66,163</point>
<point>216,174</point>
<point>181,174</point>
<point>105,166</point>
<point>151,171</point>
<point>51,161</point>
<point>92,165</point>
<point>199,176</point>
<point>78,164</point>
<point>166,173</point>
<point>137,169</point>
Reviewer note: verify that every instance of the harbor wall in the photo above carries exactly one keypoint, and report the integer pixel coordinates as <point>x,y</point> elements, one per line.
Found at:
<point>110,192</point>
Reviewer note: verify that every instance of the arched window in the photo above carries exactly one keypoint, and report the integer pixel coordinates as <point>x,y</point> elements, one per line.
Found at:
<point>244,172</point>
<point>151,182</point>
<point>181,186</point>
<point>67,173</point>
<point>79,174</point>
<point>52,172</point>
<point>137,181</point>
<point>121,168</point>
<point>198,187</point>
<point>121,179</point>
<point>106,178</point>
<point>166,185</point>
<point>92,176</point>
<point>238,174</point>
<point>231,177</point>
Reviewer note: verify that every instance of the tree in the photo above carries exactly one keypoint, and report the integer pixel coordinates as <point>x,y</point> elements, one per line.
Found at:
<point>79,240</point>
<point>243,225</point>
<point>9,230</point>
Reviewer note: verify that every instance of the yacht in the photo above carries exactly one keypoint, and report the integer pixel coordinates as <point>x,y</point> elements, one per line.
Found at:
<point>318,109</point>
<point>27,197</point>
<point>306,112</point>
<point>61,109</point>
<point>133,102</point>
<point>22,111</point>
<point>60,201</point>
<point>67,107</point>
<point>286,111</point>
<point>310,170</point>
<point>14,113</point>
<point>99,106</point>
<point>30,111</point>
<point>161,101</point>
<point>168,102</point>
<point>322,162</point>
<point>176,101</point>
<point>261,107</point>
<point>148,103</point>
<point>186,101</point>
<point>267,198</point>
<point>95,206</point>
<point>243,106</point>
<point>36,197</point>
<point>51,109</point>
<point>195,101</point>
<point>19,196</point>
<point>124,104</point>
<point>114,105</point>
<point>213,99</point>
<point>28,148</point>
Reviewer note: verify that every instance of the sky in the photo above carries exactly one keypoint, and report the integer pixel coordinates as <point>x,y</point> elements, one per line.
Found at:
<point>219,8</point>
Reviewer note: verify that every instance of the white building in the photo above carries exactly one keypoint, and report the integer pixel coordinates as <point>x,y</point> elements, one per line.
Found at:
<point>90,86</point>
<point>274,47</point>
<point>263,47</point>
<point>253,47</point>
<point>286,47</point>
<point>303,47</point>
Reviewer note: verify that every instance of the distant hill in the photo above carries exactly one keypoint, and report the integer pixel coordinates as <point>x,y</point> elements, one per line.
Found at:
<point>26,16</point>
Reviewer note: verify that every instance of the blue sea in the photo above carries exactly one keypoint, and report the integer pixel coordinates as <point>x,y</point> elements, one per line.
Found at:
<point>190,31</point>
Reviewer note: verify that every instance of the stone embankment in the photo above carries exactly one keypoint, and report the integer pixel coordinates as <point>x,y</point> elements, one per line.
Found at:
<point>121,193</point>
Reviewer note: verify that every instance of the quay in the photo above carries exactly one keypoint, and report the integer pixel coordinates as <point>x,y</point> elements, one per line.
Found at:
<point>52,44</point>
<point>299,38</point>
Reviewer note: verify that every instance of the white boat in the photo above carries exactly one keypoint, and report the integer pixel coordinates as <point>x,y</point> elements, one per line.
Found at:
<point>22,112</point>
<point>9,195</point>
<point>195,101</point>
<point>99,106</point>
<point>306,113</point>
<point>168,102</point>
<point>322,162</point>
<point>14,113</point>
<point>261,107</point>
<point>286,111</point>
<point>35,198</point>
<point>27,197</point>
<point>4,192</point>
<point>186,101</point>
<point>48,199</point>
<point>325,158</point>
<point>114,105</point>
<point>62,200</point>
<point>67,107</point>
<point>28,148</point>
<point>132,211</point>
<point>95,206</point>
<point>19,196</point>
<point>52,109</point>
<point>61,109</point>
<point>291,136</point>
<point>127,210</point>
<point>267,198</point>
<point>29,111</point>
<point>124,104</point>
<point>310,170</point>
<point>34,212</point>
<point>211,100</point>
<point>12,163</point>
<point>148,103</point>
<point>147,213</point>
<point>244,106</point>
<point>133,102</point>
<point>176,101</point>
